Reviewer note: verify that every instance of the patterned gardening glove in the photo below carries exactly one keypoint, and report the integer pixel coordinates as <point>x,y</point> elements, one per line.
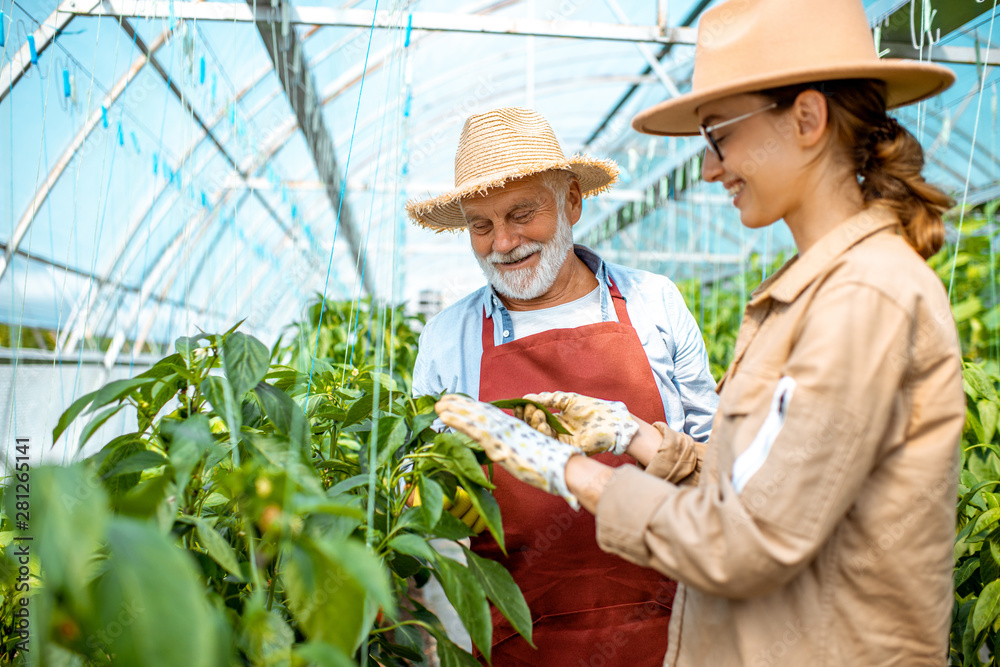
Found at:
<point>523,452</point>
<point>596,425</point>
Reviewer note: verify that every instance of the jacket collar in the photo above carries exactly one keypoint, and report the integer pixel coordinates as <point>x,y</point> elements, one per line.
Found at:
<point>491,301</point>
<point>799,272</point>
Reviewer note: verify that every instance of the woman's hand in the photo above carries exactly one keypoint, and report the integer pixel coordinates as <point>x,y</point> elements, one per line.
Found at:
<point>596,425</point>
<point>525,453</point>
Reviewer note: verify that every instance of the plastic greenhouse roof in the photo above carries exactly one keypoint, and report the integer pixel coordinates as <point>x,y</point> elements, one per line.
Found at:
<point>192,197</point>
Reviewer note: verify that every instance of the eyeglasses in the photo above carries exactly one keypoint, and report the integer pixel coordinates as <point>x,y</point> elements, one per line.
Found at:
<point>707,130</point>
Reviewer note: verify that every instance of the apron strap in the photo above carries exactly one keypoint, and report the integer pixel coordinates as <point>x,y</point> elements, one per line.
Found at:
<point>619,302</point>
<point>616,299</point>
<point>487,331</point>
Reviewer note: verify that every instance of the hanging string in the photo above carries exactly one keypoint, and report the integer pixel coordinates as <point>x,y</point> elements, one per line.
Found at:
<point>972,152</point>
<point>340,206</point>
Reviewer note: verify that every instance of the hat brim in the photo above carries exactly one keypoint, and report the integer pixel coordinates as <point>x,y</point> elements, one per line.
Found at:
<point>444,213</point>
<point>907,82</point>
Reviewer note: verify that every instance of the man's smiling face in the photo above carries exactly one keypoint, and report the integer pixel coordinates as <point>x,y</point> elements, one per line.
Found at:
<point>520,236</point>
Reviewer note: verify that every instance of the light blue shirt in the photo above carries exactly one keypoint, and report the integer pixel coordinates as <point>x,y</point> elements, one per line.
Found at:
<point>451,345</point>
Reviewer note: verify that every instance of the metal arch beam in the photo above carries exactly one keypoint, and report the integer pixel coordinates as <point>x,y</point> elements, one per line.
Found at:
<point>362,18</point>
<point>85,274</point>
<point>127,27</point>
<point>44,36</point>
<point>73,150</point>
<point>300,89</point>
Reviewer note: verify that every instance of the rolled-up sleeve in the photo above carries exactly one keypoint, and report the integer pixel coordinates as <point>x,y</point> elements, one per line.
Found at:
<point>847,362</point>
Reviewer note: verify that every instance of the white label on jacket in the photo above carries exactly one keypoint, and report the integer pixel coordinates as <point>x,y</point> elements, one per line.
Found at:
<point>750,461</point>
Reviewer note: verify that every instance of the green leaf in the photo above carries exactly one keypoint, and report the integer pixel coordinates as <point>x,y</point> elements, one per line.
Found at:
<point>347,485</point>
<point>989,412</point>
<point>466,594</point>
<point>114,391</point>
<point>976,378</point>
<point>246,360</point>
<point>461,460</point>
<point>323,597</point>
<point>187,344</point>
<point>285,414</point>
<point>450,528</point>
<point>323,655</point>
<point>96,423</point>
<point>391,436</point>
<point>217,547</point>
<point>68,519</point>
<point>220,394</point>
<point>365,568</point>
<point>71,413</point>
<point>488,508</point>
<point>113,453</point>
<point>152,589</point>
<point>502,591</point>
<point>188,440</point>
<point>142,460</point>
<point>966,570</point>
<point>986,520</point>
<point>551,419</point>
<point>431,501</point>
<point>264,635</point>
<point>413,545</point>
<point>451,655</point>
<point>988,606</point>
<point>972,492</point>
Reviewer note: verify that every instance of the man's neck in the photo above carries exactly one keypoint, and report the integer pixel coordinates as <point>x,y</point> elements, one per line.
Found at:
<point>574,281</point>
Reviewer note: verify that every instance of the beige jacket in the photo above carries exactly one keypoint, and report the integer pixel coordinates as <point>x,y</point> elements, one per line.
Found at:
<point>820,528</point>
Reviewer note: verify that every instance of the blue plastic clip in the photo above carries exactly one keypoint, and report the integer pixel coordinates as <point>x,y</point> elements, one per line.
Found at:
<point>406,107</point>
<point>156,163</point>
<point>204,199</point>
<point>173,17</point>
<point>409,29</point>
<point>135,143</point>
<point>202,69</point>
<point>31,46</point>
<point>121,136</point>
<point>66,88</point>
<point>1,28</point>
<point>295,211</point>
<point>104,116</point>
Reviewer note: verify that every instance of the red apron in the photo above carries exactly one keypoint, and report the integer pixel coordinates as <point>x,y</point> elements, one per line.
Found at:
<point>590,608</point>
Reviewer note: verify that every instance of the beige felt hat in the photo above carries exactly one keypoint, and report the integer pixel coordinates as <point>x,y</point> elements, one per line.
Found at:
<point>750,45</point>
<point>499,146</point>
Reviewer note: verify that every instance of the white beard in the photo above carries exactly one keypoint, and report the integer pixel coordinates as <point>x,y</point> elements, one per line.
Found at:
<point>530,282</point>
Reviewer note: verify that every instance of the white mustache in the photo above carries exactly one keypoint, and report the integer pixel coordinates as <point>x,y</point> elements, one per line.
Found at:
<point>515,255</point>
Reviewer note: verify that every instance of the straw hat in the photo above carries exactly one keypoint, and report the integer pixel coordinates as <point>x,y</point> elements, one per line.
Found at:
<point>750,45</point>
<point>499,146</point>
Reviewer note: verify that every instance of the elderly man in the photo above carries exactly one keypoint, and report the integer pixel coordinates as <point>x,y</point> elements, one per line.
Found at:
<point>554,316</point>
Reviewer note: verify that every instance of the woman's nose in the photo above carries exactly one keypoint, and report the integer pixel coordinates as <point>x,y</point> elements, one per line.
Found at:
<point>711,167</point>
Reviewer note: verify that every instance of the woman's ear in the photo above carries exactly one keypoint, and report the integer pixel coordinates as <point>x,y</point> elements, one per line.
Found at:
<point>809,116</point>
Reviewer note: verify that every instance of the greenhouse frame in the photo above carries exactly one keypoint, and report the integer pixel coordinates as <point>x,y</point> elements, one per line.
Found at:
<point>213,358</point>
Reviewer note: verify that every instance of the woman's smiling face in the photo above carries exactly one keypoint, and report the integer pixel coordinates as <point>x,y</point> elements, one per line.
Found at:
<point>759,160</point>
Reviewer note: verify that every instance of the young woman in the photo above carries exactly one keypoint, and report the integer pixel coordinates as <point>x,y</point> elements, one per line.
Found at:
<point>816,526</point>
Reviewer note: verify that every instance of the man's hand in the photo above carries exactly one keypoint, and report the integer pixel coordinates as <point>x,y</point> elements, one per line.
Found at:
<point>461,508</point>
<point>524,452</point>
<point>596,425</point>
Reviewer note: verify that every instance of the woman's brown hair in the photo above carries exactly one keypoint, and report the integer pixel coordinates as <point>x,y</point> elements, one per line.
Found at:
<point>887,159</point>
